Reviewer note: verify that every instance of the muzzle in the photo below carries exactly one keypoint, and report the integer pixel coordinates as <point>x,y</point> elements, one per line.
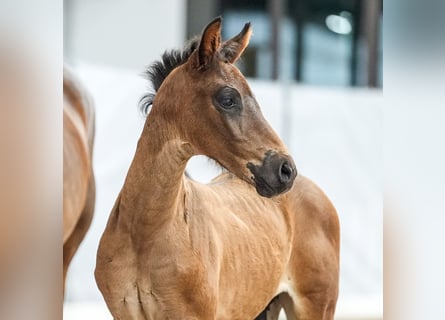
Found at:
<point>275,175</point>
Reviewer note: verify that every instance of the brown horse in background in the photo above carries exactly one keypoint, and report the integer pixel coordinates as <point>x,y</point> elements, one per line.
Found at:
<point>256,239</point>
<point>78,179</point>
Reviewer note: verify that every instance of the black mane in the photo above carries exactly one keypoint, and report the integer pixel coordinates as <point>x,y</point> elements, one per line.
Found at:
<point>159,70</point>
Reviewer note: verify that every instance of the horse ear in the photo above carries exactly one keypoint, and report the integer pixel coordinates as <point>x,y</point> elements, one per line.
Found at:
<point>210,42</point>
<point>232,49</point>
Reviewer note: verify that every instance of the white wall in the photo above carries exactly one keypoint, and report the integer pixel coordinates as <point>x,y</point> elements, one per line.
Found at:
<point>123,33</point>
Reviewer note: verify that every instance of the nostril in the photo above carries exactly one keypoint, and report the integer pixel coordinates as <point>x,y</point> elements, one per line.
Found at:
<point>285,172</point>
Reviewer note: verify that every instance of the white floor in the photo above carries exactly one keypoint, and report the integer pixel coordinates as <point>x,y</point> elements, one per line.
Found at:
<point>353,309</point>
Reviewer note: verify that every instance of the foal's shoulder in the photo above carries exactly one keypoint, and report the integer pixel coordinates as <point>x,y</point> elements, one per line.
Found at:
<point>305,187</point>
<point>308,196</point>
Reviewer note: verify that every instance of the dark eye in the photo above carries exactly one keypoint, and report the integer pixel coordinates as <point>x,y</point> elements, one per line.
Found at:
<point>228,99</point>
<point>227,103</point>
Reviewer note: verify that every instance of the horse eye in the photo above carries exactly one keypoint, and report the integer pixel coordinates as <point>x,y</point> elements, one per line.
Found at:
<point>227,103</point>
<point>228,100</point>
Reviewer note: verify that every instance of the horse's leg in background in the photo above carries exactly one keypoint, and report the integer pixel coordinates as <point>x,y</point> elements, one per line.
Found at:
<point>308,310</point>
<point>272,310</point>
<point>82,226</point>
<point>288,306</point>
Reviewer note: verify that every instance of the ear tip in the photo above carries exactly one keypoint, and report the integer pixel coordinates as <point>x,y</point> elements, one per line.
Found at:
<point>215,23</point>
<point>218,19</point>
<point>247,27</point>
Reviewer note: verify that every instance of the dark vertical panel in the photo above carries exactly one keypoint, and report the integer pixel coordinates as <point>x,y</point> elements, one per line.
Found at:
<point>275,8</point>
<point>299,21</point>
<point>371,13</point>
<point>67,24</point>
<point>355,39</point>
<point>199,13</point>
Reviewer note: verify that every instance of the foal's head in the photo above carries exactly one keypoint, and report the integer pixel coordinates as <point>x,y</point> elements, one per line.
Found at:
<point>208,103</point>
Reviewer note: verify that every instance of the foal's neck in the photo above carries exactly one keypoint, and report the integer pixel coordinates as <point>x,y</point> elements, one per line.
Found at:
<point>154,186</point>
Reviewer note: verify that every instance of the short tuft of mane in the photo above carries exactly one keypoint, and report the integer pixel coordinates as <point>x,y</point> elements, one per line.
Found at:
<point>159,70</point>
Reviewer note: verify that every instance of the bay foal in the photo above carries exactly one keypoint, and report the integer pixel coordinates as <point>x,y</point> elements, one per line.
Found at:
<point>255,237</point>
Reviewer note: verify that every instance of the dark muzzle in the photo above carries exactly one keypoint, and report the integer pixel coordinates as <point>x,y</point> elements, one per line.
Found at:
<point>275,175</point>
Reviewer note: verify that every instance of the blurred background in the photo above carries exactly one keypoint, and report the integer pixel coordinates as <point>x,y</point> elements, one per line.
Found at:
<point>318,42</point>
<point>315,67</point>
